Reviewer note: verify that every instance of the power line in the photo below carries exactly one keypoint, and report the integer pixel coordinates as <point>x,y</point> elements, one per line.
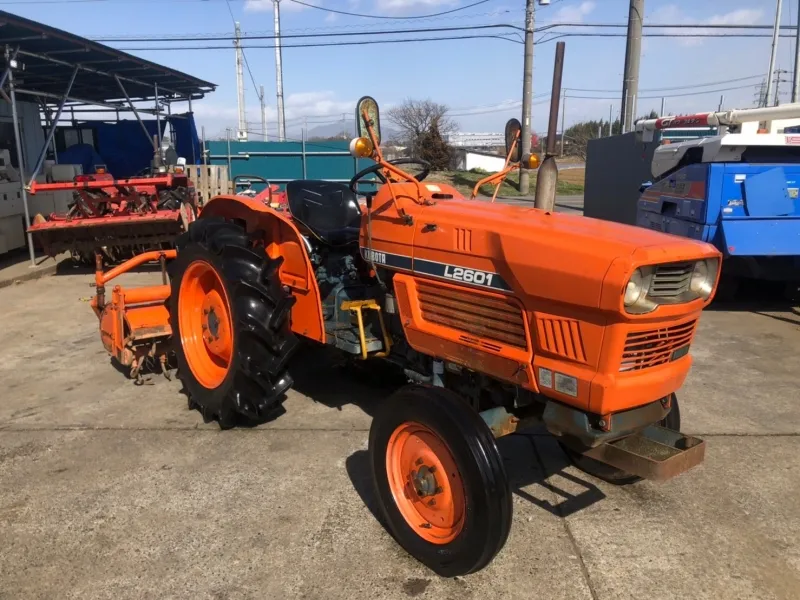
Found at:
<point>741,87</point>
<point>679,87</point>
<point>541,40</point>
<point>219,38</point>
<point>323,44</point>
<point>441,38</point>
<point>350,14</point>
<point>554,37</point>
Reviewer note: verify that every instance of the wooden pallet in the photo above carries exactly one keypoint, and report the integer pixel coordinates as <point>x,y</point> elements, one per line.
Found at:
<point>210,181</point>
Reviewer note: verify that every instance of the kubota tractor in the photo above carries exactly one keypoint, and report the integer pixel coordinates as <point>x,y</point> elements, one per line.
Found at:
<point>499,315</point>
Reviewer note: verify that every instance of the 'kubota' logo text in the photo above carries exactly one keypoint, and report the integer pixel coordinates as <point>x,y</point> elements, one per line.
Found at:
<point>375,257</point>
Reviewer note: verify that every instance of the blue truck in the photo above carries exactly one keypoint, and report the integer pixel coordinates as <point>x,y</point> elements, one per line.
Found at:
<point>737,189</point>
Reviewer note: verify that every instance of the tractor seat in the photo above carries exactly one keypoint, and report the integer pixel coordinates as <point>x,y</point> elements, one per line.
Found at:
<point>329,210</point>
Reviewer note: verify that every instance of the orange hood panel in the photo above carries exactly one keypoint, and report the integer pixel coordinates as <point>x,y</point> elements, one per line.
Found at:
<point>553,256</point>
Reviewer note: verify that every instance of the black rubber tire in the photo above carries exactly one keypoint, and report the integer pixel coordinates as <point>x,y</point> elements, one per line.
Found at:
<point>611,474</point>
<point>263,343</point>
<point>488,495</point>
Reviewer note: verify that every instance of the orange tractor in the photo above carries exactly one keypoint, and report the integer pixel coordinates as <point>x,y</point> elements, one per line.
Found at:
<point>499,315</point>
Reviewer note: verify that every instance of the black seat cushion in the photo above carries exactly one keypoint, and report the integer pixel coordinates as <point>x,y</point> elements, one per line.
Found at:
<point>329,210</point>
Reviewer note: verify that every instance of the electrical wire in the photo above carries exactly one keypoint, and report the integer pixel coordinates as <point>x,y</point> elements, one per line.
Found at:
<point>729,89</point>
<point>323,44</point>
<point>326,32</point>
<point>350,14</point>
<point>219,38</point>
<point>679,87</point>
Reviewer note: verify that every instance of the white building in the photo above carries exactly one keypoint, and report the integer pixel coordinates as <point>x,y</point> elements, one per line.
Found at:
<point>466,160</point>
<point>461,139</point>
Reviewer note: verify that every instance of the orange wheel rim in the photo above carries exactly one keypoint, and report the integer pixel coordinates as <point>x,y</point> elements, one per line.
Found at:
<point>204,317</point>
<point>425,483</point>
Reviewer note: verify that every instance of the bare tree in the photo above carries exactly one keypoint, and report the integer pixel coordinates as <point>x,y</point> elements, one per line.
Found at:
<point>415,118</point>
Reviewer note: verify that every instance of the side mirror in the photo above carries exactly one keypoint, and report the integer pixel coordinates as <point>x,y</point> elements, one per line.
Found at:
<point>368,105</point>
<point>513,129</point>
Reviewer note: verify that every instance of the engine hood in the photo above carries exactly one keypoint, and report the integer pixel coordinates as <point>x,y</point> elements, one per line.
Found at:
<point>555,256</point>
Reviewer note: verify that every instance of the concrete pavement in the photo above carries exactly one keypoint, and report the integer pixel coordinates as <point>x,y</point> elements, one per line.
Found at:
<point>111,490</point>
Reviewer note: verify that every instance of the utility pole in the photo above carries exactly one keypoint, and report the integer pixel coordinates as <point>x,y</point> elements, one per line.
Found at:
<point>241,130</point>
<point>276,4</point>
<point>796,78</point>
<point>775,33</point>
<point>563,119</point>
<point>610,120</point>
<point>721,102</point>
<point>633,54</point>
<point>663,106</point>
<point>527,96</point>
<point>778,82</point>
<point>263,113</point>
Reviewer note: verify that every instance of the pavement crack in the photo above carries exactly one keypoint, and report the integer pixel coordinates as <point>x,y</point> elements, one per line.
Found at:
<point>252,430</point>
<point>575,546</point>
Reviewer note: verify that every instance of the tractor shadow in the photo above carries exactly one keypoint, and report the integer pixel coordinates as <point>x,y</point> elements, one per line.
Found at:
<point>535,465</point>
<point>536,469</point>
<point>72,267</point>
<point>324,376</point>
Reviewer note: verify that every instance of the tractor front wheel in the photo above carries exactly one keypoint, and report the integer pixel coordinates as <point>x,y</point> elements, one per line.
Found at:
<point>230,323</point>
<point>440,480</point>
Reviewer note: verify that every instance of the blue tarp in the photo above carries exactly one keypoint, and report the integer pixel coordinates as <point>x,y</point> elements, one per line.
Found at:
<point>81,154</point>
<point>126,151</point>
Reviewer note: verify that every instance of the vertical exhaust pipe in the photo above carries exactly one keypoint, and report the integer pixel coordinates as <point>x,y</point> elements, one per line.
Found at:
<point>547,178</point>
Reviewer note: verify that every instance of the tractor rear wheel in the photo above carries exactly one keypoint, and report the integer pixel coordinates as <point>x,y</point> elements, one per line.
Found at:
<point>611,474</point>
<point>230,322</point>
<point>440,480</point>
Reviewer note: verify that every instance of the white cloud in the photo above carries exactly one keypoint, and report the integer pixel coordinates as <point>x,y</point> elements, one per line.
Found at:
<point>575,13</point>
<point>286,5</point>
<point>743,16</point>
<point>401,6</point>
<point>672,14</point>
<point>315,105</point>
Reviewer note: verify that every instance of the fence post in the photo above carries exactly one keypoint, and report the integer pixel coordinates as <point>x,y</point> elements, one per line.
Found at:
<point>228,135</point>
<point>305,173</point>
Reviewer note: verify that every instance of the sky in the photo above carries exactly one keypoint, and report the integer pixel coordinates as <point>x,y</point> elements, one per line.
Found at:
<point>480,80</point>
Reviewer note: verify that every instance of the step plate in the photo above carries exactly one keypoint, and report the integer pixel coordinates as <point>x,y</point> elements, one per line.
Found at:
<point>655,453</point>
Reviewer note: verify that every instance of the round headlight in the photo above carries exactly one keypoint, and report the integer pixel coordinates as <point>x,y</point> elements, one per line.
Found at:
<point>634,290</point>
<point>703,276</point>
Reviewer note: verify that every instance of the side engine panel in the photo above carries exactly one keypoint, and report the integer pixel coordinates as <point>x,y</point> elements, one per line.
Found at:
<point>482,331</point>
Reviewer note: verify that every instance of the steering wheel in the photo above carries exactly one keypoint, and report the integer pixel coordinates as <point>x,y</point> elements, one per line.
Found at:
<point>376,169</point>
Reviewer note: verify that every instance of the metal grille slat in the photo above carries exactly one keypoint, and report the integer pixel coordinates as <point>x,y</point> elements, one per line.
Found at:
<point>645,349</point>
<point>477,315</point>
<point>671,280</point>
<point>561,337</point>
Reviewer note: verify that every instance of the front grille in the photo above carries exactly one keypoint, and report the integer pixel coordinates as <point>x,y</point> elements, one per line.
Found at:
<point>671,280</point>
<point>645,349</point>
<point>472,313</point>
<point>561,337</point>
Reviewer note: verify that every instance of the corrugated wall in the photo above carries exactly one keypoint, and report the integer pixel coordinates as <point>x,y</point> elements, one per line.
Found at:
<point>31,128</point>
<point>616,167</point>
<point>281,162</point>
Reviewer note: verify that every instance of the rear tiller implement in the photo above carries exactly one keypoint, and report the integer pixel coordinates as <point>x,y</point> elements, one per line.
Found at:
<point>499,315</point>
<point>118,217</point>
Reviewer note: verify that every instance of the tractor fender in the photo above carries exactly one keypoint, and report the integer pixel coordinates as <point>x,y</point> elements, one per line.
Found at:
<point>281,239</point>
